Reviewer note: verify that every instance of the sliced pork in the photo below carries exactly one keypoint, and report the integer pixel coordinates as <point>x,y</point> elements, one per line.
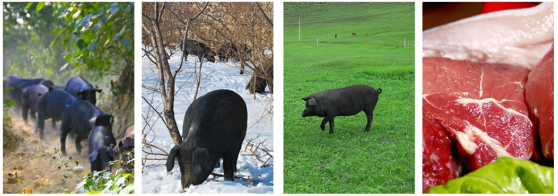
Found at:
<point>481,108</point>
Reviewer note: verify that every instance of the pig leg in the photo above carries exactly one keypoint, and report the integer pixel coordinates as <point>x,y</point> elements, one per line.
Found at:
<point>185,55</point>
<point>328,118</point>
<point>229,165</point>
<point>41,125</point>
<point>322,126</point>
<point>64,133</point>
<point>24,113</point>
<point>34,115</point>
<point>331,125</point>
<point>78,145</point>
<point>369,117</point>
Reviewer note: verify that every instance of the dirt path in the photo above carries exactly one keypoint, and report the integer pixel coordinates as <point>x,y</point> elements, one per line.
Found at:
<point>35,162</point>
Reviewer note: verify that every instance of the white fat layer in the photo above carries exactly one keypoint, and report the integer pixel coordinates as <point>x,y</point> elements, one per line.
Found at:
<point>480,102</point>
<point>517,37</point>
<point>467,141</point>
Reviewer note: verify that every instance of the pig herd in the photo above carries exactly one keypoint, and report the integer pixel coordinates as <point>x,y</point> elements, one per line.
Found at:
<point>74,105</point>
<point>227,51</point>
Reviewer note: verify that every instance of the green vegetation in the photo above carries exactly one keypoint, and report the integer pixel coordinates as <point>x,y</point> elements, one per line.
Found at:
<point>62,40</point>
<point>350,161</point>
<point>104,182</point>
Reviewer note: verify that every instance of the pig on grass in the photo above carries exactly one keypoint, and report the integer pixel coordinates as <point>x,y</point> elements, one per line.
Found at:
<point>342,102</point>
<point>214,127</point>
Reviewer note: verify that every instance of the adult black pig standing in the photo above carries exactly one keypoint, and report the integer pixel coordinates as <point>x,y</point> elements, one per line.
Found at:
<point>214,127</point>
<point>101,142</point>
<point>342,102</point>
<point>79,87</point>
<point>29,98</point>
<point>52,105</point>
<point>76,119</point>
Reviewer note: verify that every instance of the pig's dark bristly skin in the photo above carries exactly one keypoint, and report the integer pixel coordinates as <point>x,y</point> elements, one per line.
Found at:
<point>214,127</point>
<point>80,88</point>
<point>199,49</point>
<point>76,119</point>
<point>52,105</point>
<point>342,102</point>
<point>101,142</point>
<point>29,98</point>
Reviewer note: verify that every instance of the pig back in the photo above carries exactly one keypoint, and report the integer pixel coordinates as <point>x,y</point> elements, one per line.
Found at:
<point>217,119</point>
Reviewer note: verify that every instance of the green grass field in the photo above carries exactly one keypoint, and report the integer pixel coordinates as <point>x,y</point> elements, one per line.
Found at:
<point>350,161</point>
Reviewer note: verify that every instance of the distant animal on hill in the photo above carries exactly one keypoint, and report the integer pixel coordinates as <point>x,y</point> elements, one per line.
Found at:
<point>354,34</point>
<point>335,35</point>
<point>366,34</point>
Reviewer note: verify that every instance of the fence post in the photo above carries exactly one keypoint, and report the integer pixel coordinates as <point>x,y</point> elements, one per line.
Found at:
<point>404,43</point>
<point>298,29</point>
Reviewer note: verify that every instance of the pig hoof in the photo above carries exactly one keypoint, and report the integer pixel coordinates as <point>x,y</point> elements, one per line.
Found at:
<point>229,178</point>
<point>322,127</point>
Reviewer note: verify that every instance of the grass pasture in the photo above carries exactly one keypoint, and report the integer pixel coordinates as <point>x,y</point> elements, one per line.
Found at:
<point>350,160</point>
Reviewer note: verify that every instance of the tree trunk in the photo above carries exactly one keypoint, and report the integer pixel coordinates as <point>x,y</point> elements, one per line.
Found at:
<point>123,106</point>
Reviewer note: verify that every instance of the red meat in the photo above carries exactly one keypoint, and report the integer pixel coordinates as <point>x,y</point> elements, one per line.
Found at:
<point>539,95</point>
<point>438,162</point>
<point>480,107</point>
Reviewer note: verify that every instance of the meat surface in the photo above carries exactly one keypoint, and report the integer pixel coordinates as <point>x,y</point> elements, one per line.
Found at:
<point>438,160</point>
<point>481,108</point>
<point>517,37</point>
<point>539,95</point>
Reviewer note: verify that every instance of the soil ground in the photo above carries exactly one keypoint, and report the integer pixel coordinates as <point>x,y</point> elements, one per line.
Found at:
<point>34,163</point>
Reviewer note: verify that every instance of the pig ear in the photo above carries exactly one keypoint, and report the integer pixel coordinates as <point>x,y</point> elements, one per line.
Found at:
<point>201,161</point>
<point>98,90</point>
<point>305,98</point>
<point>93,156</point>
<point>111,119</point>
<point>312,101</point>
<point>170,159</point>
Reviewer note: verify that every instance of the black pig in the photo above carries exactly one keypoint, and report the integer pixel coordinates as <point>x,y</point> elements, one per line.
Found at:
<point>199,49</point>
<point>76,119</point>
<point>214,127</point>
<point>342,102</point>
<point>19,84</point>
<point>51,105</point>
<point>29,98</point>
<point>80,88</point>
<point>101,143</point>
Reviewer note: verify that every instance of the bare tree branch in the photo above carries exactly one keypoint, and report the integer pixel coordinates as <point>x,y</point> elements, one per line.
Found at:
<point>265,15</point>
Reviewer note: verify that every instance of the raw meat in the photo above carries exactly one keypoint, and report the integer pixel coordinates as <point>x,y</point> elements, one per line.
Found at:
<point>539,95</point>
<point>438,161</point>
<point>480,106</point>
<point>516,37</point>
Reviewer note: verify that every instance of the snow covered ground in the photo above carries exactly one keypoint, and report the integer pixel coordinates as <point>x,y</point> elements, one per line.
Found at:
<point>218,75</point>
